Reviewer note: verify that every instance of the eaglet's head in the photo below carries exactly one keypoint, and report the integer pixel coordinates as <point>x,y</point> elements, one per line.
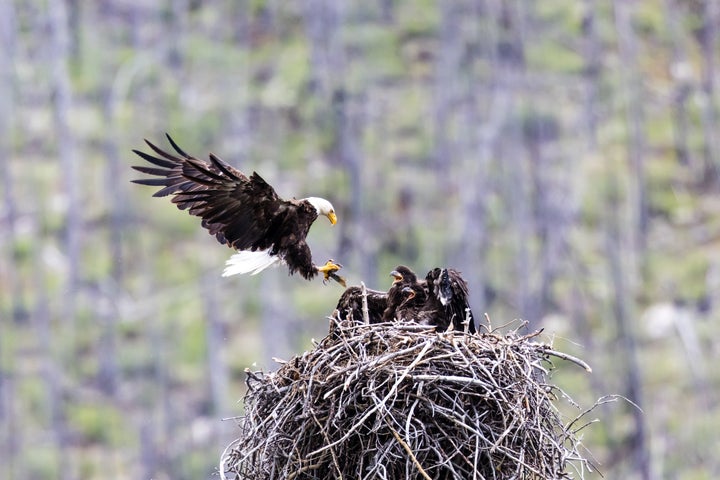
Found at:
<point>323,207</point>
<point>403,274</point>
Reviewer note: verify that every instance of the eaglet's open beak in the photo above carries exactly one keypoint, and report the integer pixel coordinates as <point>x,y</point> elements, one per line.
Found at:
<point>409,292</point>
<point>332,217</point>
<point>397,276</point>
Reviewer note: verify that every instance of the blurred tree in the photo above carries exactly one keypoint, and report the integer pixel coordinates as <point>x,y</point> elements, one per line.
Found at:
<point>591,50</point>
<point>216,367</point>
<point>176,28</point>
<point>706,34</point>
<point>633,98</point>
<point>446,92</point>
<point>11,295</point>
<point>66,144</point>
<point>637,445</point>
<point>52,375</point>
<point>682,82</point>
<point>323,20</point>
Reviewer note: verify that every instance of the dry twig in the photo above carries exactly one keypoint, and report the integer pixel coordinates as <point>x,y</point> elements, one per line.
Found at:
<point>390,401</point>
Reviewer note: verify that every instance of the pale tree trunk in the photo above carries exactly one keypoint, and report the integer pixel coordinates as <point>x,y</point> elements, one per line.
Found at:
<point>8,214</point>
<point>51,374</point>
<point>323,21</point>
<point>582,304</point>
<point>474,192</point>
<point>161,385</point>
<point>680,71</point>
<point>555,206</point>
<point>446,90</point>
<point>517,175</point>
<point>218,376</point>
<point>239,12</point>
<point>633,95</point>
<point>623,273</point>
<point>517,196</point>
<point>357,227</point>
<point>67,152</point>
<point>591,71</point>
<point>486,116</point>
<point>627,350</point>
<point>176,28</point>
<point>148,450</point>
<point>9,432</point>
<point>708,45</point>
<point>108,370</point>
<point>277,316</point>
<point>387,11</point>
<point>75,24</point>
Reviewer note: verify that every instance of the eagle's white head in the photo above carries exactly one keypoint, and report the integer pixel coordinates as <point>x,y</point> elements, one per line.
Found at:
<point>323,207</point>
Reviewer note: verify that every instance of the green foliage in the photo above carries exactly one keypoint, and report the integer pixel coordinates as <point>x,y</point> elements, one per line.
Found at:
<point>40,463</point>
<point>668,195</point>
<point>196,465</point>
<point>419,17</point>
<point>560,14</point>
<point>34,397</point>
<point>290,74</point>
<point>554,57</point>
<point>684,281</point>
<point>377,46</point>
<point>97,423</point>
<point>190,349</point>
<point>649,19</point>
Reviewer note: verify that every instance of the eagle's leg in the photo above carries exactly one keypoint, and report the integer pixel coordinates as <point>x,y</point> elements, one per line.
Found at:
<point>328,270</point>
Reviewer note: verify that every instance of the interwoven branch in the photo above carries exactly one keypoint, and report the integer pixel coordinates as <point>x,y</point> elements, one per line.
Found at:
<point>390,401</point>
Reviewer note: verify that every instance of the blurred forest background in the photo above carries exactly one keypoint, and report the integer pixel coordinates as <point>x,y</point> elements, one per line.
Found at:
<point>563,155</point>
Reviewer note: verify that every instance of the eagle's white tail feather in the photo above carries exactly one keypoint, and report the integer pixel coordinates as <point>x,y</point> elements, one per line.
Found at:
<point>247,261</point>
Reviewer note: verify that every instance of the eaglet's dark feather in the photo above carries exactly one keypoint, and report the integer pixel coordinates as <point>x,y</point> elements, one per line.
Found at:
<point>350,305</point>
<point>440,300</point>
<point>447,293</point>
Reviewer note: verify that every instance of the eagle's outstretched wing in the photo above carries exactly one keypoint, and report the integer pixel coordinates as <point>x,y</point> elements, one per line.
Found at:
<point>234,208</point>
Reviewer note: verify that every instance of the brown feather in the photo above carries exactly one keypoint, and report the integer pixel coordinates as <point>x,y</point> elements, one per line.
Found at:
<point>350,305</point>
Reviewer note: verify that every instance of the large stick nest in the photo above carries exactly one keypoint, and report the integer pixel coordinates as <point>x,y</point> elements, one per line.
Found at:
<point>391,401</point>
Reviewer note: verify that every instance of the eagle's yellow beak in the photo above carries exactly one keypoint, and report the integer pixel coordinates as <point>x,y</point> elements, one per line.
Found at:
<point>332,217</point>
<point>397,276</point>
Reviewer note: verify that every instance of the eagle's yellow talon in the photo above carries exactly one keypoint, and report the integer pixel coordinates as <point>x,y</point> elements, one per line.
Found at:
<point>328,270</point>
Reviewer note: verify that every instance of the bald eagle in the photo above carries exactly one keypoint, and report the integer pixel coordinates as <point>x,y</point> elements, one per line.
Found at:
<point>244,213</point>
<point>441,299</point>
